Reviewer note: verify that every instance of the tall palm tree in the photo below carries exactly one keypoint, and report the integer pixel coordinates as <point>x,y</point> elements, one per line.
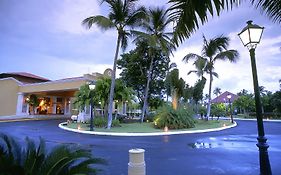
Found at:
<point>37,160</point>
<point>213,50</point>
<point>157,38</point>
<point>122,15</point>
<point>217,91</point>
<point>189,14</point>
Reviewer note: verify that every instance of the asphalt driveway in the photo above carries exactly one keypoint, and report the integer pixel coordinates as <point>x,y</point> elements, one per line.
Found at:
<point>232,151</point>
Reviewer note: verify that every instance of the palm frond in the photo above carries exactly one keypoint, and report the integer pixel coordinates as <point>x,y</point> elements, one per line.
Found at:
<point>190,56</point>
<point>272,8</point>
<point>102,22</point>
<point>230,55</point>
<point>189,14</point>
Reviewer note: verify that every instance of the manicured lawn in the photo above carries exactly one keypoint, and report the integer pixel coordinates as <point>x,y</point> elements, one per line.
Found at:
<point>148,127</point>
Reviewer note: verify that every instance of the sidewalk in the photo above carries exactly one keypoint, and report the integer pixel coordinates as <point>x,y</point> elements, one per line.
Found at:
<point>32,118</point>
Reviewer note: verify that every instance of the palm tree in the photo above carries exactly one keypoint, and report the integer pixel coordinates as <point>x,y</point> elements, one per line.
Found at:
<point>189,14</point>
<point>213,50</point>
<point>217,91</point>
<point>37,160</point>
<point>122,15</point>
<point>157,38</point>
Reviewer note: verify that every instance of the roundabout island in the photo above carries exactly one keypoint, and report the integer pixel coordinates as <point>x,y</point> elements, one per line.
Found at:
<point>147,129</point>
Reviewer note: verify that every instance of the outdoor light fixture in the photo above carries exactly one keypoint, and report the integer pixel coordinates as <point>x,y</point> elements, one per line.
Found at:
<point>250,37</point>
<point>92,86</point>
<point>229,97</point>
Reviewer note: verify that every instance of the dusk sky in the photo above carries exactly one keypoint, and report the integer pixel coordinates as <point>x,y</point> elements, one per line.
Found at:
<point>45,38</point>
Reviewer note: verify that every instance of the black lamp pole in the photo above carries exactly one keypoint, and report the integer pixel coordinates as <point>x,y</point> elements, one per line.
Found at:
<point>91,122</point>
<point>230,111</point>
<point>265,168</point>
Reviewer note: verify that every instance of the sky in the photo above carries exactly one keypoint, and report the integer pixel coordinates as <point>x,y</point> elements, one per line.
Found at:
<point>46,38</point>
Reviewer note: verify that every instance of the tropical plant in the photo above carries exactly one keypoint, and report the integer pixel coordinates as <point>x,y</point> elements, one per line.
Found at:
<point>177,86</point>
<point>189,14</point>
<point>213,50</point>
<point>181,118</point>
<point>33,102</point>
<point>157,38</point>
<point>123,14</point>
<point>16,159</point>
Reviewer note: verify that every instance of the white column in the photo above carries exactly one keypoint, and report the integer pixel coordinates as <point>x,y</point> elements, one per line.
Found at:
<point>136,165</point>
<point>54,105</point>
<point>20,102</point>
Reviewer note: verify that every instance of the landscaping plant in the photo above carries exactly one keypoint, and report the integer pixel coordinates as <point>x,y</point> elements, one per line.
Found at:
<point>174,119</point>
<point>30,159</point>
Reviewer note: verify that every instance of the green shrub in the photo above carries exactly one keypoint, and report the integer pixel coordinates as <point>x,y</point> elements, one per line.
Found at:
<point>174,119</point>
<point>115,123</point>
<point>100,122</point>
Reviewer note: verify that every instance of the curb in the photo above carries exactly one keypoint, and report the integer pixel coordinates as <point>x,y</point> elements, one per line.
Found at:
<point>144,134</point>
<point>265,120</point>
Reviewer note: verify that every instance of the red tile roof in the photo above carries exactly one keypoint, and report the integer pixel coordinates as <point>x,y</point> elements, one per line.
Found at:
<point>25,74</point>
<point>222,98</point>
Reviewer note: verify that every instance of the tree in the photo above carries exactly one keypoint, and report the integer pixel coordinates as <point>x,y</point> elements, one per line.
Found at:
<point>213,50</point>
<point>167,81</point>
<point>122,15</point>
<point>189,14</point>
<point>36,160</point>
<point>177,86</point>
<point>157,38</point>
<point>245,103</point>
<point>217,91</point>
<point>33,102</point>
<point>135,68</point>
<point>198,91</point>
<point>276,101</point>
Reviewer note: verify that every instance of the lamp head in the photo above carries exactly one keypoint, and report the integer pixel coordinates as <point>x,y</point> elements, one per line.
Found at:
<point>251,35</point>
<point>229,96</point>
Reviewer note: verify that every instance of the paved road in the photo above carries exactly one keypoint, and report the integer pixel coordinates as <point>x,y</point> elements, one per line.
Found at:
<point>231,151</point>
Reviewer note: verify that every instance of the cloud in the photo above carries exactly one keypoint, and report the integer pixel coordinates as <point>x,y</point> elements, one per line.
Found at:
<point>70,13</point>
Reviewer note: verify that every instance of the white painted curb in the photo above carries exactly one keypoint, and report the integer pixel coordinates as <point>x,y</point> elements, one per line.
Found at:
<point>144,134</point>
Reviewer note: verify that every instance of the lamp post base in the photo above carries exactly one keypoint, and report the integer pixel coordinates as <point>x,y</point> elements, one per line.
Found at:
<point>265,168</point>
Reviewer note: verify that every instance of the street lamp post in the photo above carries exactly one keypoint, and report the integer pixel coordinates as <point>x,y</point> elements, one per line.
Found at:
<point>229,102</point>
<point>92,87</point>
<point>250,37</point>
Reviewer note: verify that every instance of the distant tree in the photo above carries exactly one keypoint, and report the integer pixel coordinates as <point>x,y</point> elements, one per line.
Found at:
<point>242,92</point>
<point>198,92</point>
<point>276,101</point>
<point>213,50</point>
<point>217,91</point>
<point>123,15</point>
<point>245,103</point>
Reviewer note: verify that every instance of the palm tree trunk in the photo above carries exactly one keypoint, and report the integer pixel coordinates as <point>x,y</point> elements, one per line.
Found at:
<point>146,90</point>
<point>209,99</point>
<point>110,103</point>
<point>175,99</point>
